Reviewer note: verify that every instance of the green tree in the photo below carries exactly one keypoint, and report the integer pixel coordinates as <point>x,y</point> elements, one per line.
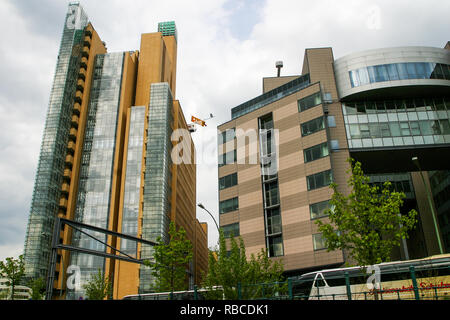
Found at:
<point>171,261</point>
<point>13,270</point>
<point>367,223</point>
<point>233,276</point>
<point>38,288</point>
<point>98,287</point>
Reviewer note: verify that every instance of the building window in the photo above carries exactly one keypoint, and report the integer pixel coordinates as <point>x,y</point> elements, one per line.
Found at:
<point>228,181</point>
<point>227,158</point>
<point>334,144</point>
<point>309,101</point>
<point>331,121</point>
<point>273,217</point>
<point>312,126</point>
<point>227,135</point>
<point>271,194</point>
<point>318,210</point>
<point>275,246</point>
<point>319,180</point>
<point>399,71</point>
<point>318,241</point>
<point>316,152</point>
<point>231,230</point>
<point>228,205</point>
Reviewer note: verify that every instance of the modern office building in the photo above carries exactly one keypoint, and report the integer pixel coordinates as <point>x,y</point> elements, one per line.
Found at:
<point>105,160</point>
<point>281,150</point>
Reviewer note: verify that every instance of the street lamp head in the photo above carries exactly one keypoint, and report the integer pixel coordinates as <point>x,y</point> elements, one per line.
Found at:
<point>201,206</point>
<point>415,160</point>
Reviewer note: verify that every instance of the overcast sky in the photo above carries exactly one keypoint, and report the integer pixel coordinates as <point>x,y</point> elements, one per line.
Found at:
<point>225,48</point>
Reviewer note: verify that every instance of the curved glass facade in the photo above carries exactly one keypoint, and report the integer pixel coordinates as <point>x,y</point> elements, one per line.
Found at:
<point>397,122</point>
<point>399,71</point>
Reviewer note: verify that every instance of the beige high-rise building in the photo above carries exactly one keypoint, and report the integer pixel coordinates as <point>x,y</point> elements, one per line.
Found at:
<point>106,160</point>
<point>281,150</point>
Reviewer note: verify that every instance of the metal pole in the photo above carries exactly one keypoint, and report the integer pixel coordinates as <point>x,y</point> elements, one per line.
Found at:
<point>203,207</point>
<point>414,281</point>
<point>430,202</point>
<point>239,289</point>
<point>291,295</point>
<point>54,253</point>
<point>347,284</point>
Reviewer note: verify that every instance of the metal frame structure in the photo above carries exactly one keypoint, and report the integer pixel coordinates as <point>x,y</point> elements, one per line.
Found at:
<point>60,222</point>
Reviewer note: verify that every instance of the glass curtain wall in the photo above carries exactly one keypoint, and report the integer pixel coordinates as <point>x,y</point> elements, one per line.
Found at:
<point>386,123</point>
<point>50,169</point>
<point>158,176</point>
<point>97,164</point>
<point>133,179</point>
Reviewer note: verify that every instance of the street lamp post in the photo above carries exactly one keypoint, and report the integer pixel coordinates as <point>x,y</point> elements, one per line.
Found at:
<point>415,160</point>
<point>203,207</point>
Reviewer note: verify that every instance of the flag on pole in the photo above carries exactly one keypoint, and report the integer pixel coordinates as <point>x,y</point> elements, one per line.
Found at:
<point>198,121</point>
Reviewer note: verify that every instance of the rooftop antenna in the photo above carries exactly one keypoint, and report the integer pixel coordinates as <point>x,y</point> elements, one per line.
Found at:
<point>279,65</point>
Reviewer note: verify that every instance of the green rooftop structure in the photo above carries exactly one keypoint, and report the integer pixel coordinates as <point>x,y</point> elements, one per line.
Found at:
<point>168,28</point>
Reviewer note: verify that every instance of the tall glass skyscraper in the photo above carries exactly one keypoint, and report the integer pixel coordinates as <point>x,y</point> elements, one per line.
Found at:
<point>105,160</point>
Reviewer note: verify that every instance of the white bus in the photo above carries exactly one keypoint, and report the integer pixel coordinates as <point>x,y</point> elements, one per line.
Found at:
<point>432,277</point>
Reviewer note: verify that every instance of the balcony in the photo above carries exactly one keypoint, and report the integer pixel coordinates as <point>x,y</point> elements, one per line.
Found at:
<point>77,108</point>
<point>75,120</point>
<point>71,147</point>
<point>69,159</point>
<point>85,52</point>
<point>73,134</point>
<point>80,88</point>
<point>63,203</point>
<point>65,188</point>
<point>83,65</point>
<point>87,42</point>
<point>88,33</point>
<point>78,97</point>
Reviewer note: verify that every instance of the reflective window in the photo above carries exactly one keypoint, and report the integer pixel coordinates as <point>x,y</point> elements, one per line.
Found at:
<point>227,158</point>
<point>309,101</point>
<point>275,246</point>
<point>312,126</point>
<point>228,205</point>
<point>399,71</point>
<point>318,241</point>
<point>319,180</point>
<point>231,230</point>
<point>228,181</point>
<point>273,217</point>
<point>226,136</point>
<point>319,209</point>
<point>316,152</point>
<point>271,194</point>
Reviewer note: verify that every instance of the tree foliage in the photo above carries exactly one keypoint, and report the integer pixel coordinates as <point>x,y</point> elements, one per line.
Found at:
<point>233,276</point>
<point>13,270</point>
<point>98,287</point>
<point>367,222</point>
<point>38,288</point>
<point>171,260</point>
